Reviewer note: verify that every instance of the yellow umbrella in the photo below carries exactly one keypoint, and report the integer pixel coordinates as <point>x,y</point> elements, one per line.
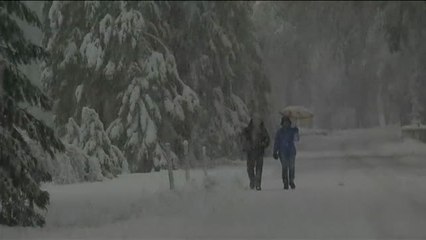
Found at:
<point>297,112</point>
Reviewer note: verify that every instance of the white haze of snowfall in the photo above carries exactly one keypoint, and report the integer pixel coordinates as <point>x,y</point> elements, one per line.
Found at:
<point>362,184</point>
<point>365,184</point>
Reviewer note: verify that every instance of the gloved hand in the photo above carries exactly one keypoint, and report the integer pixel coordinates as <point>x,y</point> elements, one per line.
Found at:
<point>275,155</point>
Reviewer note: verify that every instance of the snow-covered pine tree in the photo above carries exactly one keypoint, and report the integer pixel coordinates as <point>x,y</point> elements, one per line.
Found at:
<point>95,143</point>
<point>219,57</point>
<point>126,59</point>
<point>119,69</point>
<point>21,173</point>
<point>101,157</point>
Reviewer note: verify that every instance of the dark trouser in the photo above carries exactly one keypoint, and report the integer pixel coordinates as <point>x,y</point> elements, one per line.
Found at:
<point>288,167</point>
<point>255,160</point>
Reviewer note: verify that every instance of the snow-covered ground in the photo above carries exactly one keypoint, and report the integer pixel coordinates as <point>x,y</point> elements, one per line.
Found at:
<point>365,184</point>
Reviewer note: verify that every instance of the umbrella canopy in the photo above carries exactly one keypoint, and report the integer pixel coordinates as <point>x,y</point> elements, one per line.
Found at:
<point>297,112</point>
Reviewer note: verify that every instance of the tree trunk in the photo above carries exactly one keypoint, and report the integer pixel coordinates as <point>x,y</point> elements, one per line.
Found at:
<point>380,107</point>
<point>2,67</point>
<point>414,99</point>
<point>415,108</point>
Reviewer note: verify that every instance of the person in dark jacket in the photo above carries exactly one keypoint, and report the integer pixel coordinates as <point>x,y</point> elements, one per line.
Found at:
<point>285,150</point>
<point>256,139</point>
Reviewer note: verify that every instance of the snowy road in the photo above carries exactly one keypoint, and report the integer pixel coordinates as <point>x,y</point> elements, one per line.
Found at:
<point>361,195</point>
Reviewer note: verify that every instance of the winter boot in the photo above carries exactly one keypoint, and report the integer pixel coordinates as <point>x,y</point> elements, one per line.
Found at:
<point>286,186</point>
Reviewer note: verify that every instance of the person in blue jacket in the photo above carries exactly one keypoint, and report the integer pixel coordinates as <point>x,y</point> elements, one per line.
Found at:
<point>285,150</point>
